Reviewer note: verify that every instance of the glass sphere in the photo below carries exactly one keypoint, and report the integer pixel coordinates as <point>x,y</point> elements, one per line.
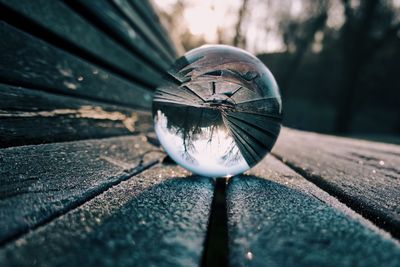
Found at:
<point>218,112</point>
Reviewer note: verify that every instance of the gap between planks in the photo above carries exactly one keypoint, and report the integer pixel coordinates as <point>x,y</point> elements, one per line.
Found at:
<point>216,246</point>
<point>31,27</point>
<point>127,174</point>
<point>98,22</point>
<point>355,207</point>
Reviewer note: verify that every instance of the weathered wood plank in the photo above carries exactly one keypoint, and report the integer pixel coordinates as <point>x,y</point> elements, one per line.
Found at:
<point>157,218</point>
<point>37,183</point>
<point>109,18</point>
<point>33,63</point>
<point>147,12</point>
<point>91,43</point>
<point>364,175</point>
<point>32,117</point>
<point>140,25</point>
<point>277,218</point>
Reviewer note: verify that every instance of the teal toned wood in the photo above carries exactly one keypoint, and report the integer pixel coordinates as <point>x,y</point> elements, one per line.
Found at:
<point>109,17</point>
<point>364,175</point>
<point>34,117</point>
<point>277,218</point>
<point>148,14</point>
<point>156,218</point>
<point>142,27</point>
<point>71,71</point>
<point>38,183</point>
<point>63,22</point>
<point>33,63</point>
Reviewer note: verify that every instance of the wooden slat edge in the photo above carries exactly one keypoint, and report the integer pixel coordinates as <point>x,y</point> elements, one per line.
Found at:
<point>277,218</point>
<point>363,175</point>
<point>65,29</point>
<point>38,183</point>
<point>31,117</point>
<point>32,63</point>
<point>157,218</point>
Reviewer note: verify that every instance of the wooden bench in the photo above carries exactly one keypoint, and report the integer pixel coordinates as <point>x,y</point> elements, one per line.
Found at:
<point>83,181</point>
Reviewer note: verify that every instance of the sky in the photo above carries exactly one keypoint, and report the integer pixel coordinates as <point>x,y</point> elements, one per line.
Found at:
<point>206,16</point>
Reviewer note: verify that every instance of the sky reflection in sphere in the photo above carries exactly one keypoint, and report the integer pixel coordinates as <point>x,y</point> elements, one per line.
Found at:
<point>219,111</point>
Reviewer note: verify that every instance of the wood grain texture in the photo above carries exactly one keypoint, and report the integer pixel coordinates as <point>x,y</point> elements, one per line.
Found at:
<point>81,37</point>
<point>138,23</point>
<point>364,175</point>
<point>105,14</point>
<point>277,218</point>
<point>38,183</point>
<point>149,15</point>
<point>157,218</point>
<point>33,63</point>
<point>33,117</point>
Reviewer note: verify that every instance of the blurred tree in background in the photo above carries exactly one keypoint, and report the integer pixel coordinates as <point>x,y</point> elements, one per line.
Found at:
<point>336,61</point>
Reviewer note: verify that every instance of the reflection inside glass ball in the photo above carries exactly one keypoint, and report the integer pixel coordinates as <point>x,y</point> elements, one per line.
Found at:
<point>219,111</point>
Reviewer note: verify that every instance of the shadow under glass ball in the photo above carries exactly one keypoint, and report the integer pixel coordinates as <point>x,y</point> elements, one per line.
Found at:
<point>218,112</point>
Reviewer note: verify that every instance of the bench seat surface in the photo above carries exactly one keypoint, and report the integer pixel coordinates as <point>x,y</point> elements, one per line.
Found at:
<point>115,200</point>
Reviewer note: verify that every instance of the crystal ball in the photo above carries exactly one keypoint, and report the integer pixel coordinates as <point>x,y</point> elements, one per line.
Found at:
<point>219,111</point>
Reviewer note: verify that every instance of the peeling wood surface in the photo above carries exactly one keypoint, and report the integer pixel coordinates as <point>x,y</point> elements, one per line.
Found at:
<point>156,218</point>
<point>277,218</point>
<point>33,63</point>
<point>364,175</point>
<point>32,117</point>
<point>37,183</point>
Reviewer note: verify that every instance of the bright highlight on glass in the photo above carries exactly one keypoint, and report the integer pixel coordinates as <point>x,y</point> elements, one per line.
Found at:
<point>219,112</point>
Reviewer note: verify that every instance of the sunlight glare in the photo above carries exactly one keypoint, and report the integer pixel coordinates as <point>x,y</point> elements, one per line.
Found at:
<point>205,17</point>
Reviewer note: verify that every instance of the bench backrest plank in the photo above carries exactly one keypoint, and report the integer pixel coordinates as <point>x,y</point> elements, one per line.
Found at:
<point>60,25</point>
<point>100,57</point>
<point>35,117</point>
<point>110,19</point>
